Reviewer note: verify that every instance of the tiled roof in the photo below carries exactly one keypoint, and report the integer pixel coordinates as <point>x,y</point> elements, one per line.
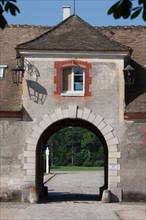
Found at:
<point>73,34</point>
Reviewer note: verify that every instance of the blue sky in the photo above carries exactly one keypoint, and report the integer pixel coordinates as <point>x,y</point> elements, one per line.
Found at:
<point>49,12</point>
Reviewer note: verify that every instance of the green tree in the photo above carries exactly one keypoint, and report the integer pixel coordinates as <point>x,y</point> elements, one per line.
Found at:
<point>93,147</point>
<point>75,146</point>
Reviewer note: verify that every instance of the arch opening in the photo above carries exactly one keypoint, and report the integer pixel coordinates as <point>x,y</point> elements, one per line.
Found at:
<point>52,129</point>
<point>72,116</point>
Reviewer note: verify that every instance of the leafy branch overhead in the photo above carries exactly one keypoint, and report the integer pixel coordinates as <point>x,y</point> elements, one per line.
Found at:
<point>9,7</point>
<point>125,9</point>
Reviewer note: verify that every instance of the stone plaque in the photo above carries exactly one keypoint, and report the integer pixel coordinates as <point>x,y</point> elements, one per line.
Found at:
<point>113,166</point>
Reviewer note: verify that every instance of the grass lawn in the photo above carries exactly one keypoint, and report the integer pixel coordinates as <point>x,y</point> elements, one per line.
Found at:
<point>76,168</point>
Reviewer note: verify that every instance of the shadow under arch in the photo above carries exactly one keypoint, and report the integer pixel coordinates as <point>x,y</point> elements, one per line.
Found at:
<point>53,128</point>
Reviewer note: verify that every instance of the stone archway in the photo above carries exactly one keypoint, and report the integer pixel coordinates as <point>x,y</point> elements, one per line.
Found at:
<point>74,112</point>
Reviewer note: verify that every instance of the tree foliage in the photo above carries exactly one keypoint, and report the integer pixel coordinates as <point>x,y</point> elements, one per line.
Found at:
<point>125,9</point>
<point>75,146</point>
<point>9,7</point>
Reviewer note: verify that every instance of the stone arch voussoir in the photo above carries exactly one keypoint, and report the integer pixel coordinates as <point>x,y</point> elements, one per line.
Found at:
<point>73,111</point>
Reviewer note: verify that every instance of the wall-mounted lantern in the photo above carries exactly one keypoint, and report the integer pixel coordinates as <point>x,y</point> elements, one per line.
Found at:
<point>129,75</point>
<point>2,71</point>
<point>18,71</point>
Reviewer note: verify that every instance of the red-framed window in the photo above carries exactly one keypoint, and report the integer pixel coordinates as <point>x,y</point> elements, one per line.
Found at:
<point>72,78</point>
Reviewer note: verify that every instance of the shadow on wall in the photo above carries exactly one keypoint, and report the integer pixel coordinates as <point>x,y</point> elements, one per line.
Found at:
<point>25,115</point>
<point>37,92</point>
<point>139,87</point>
<point>32,70</point>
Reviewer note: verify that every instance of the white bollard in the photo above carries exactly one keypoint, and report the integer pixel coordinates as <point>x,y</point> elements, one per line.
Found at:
<point>47,160</point>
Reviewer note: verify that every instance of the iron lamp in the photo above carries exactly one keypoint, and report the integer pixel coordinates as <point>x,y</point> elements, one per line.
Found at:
<point>129,75</point>
<point>18,71</point>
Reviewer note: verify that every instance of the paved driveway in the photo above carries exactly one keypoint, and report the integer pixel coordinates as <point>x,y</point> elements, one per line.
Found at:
<point>79,185</point>
<point>76,206</point>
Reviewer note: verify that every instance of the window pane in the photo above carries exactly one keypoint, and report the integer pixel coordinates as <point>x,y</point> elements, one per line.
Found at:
<point>78,78</point>
<point>67,79</point>
<point>78,86</point>
<point>78,71</point>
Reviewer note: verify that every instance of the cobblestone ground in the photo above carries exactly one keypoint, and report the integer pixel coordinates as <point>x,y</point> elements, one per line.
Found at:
<point>73,209</point>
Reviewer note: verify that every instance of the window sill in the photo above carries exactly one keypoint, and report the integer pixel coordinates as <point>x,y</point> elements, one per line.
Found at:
<point>72,94</point>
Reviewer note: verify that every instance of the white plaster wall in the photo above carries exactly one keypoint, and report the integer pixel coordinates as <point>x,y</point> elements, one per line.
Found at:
<point>107,88</point>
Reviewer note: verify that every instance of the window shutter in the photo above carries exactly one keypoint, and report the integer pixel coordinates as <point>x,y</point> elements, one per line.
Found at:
<point>67,79</point>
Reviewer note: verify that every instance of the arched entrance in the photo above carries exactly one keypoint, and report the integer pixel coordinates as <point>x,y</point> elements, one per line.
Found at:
<point>71,116</point>
<point>51,130</point>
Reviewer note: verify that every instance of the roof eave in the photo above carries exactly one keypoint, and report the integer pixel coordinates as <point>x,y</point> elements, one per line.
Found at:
<point>73,53</point>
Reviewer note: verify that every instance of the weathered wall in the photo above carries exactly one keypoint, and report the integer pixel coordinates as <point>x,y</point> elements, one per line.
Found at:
<point>12,144</point>
<point>133,161</point>
<point>106,87</point>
